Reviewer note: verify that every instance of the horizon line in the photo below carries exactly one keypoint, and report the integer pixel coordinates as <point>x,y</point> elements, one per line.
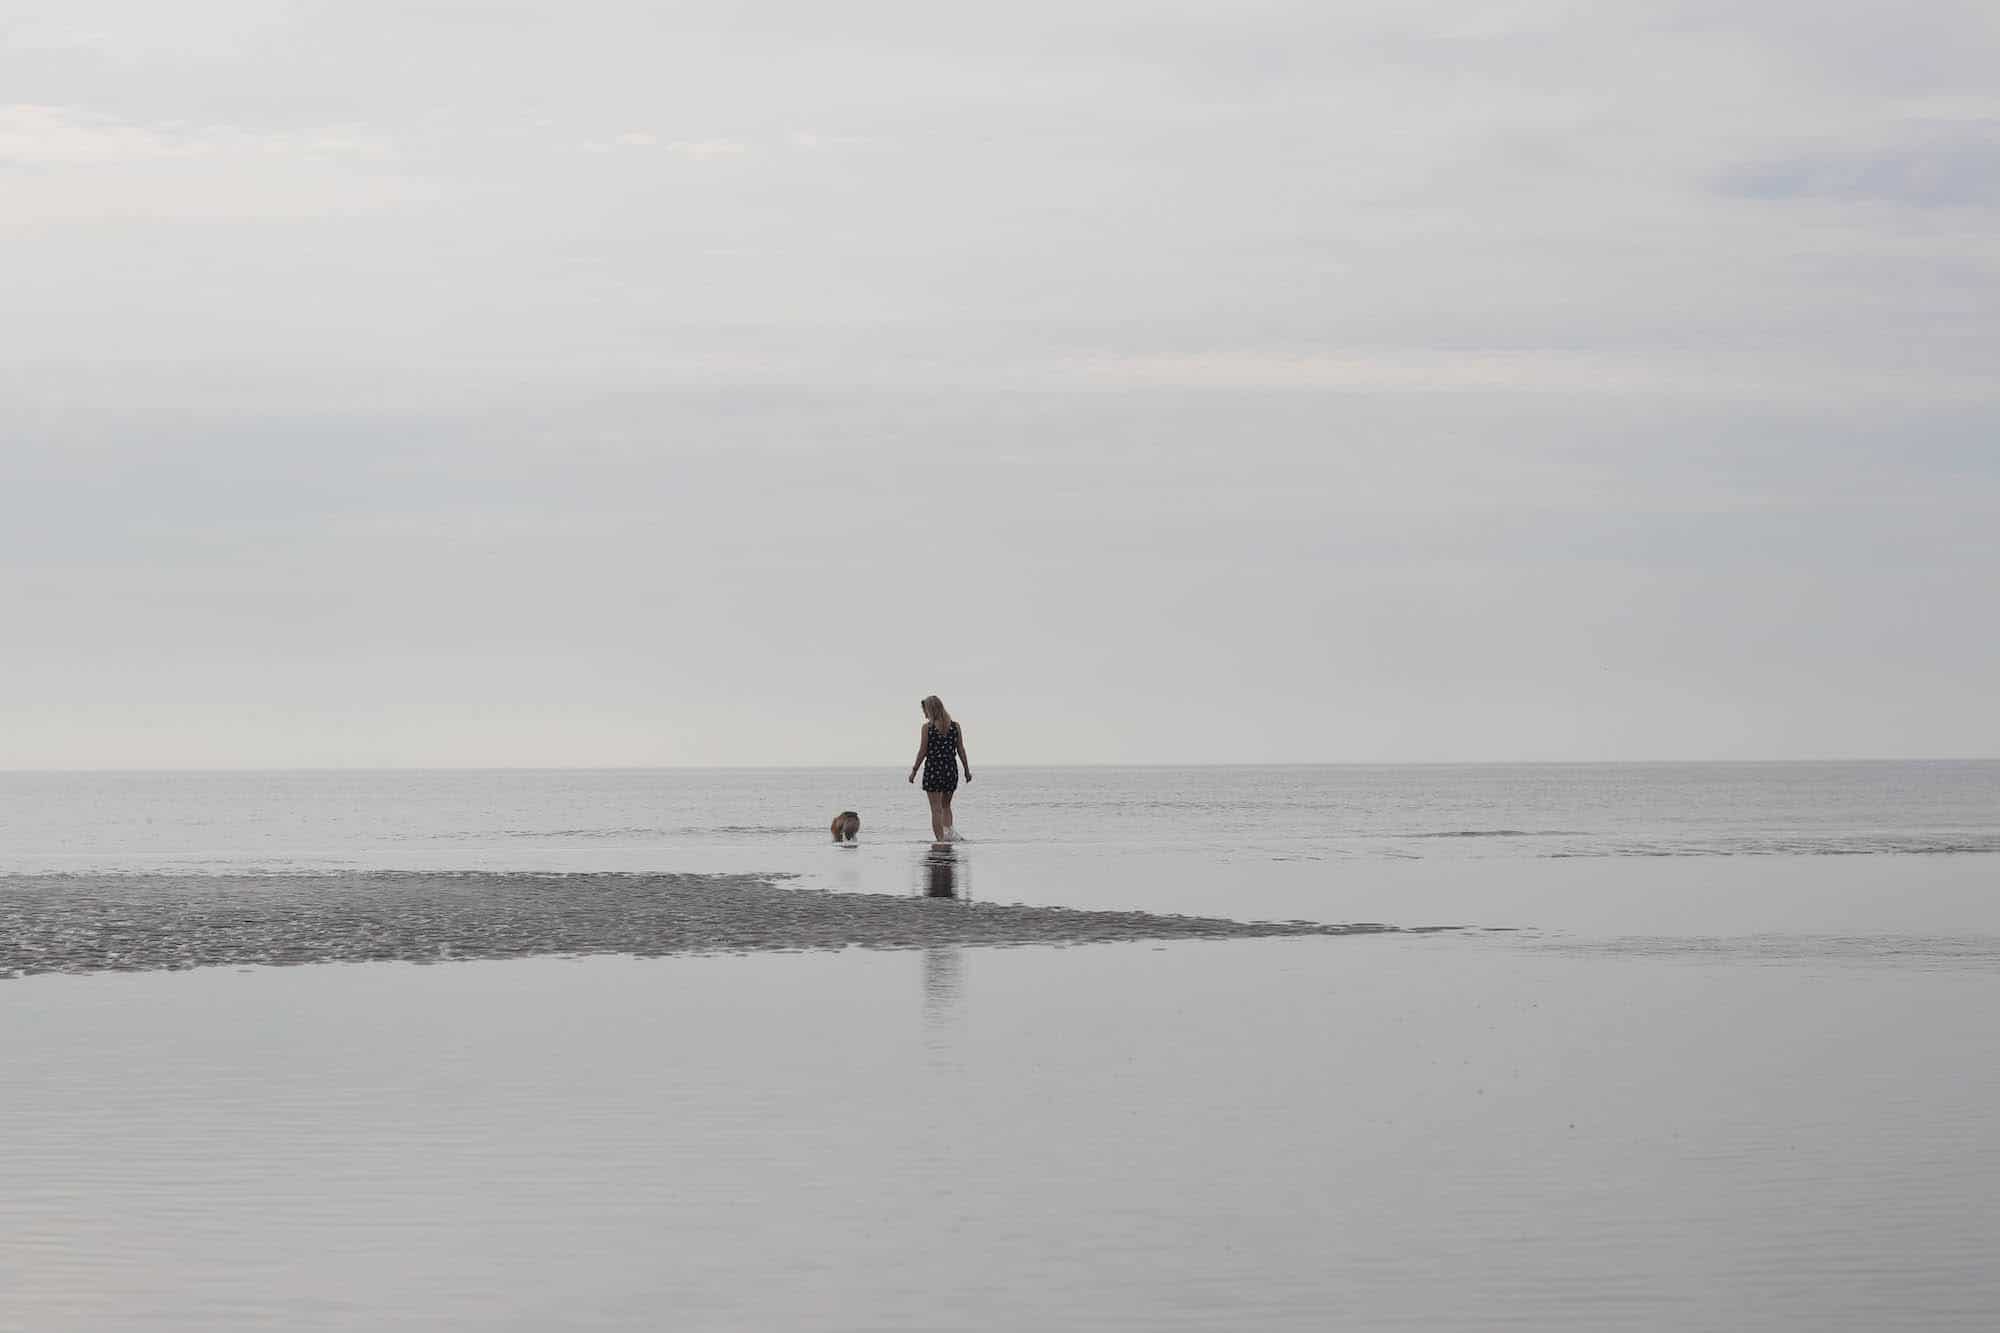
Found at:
<point>849,768</point>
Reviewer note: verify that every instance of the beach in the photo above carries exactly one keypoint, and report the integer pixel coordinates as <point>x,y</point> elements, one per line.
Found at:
<point>1694,1091</point>
<point>1063,668</point>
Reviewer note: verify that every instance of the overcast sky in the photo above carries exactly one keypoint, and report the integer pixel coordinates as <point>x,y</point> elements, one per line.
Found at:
<point>511,383</point>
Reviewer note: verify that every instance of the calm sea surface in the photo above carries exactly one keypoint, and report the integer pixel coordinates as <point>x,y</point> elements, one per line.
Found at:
<point>1702,1046</point>
<point>756,819</point>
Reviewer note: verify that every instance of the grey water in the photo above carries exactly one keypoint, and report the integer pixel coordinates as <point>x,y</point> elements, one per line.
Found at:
<point>636,819</point>
<point>1699,1046</point>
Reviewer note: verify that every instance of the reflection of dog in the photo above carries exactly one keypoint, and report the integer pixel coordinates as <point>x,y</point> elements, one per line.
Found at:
<point>846,825</point>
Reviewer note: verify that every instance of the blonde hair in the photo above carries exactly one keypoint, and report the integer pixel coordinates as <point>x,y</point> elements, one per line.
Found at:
<point>934,710</point>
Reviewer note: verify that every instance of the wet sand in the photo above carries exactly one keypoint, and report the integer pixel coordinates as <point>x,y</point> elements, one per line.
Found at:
<point>151,922</point>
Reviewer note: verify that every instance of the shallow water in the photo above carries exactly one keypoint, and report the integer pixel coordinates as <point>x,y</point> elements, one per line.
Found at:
<point>1717,1090</point>
<point>1370,1132</point>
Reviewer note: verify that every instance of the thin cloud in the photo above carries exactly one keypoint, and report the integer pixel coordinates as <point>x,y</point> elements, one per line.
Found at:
<point>700,150</point>
<point>1953,167</point>
<point>703,149</point>
<point>1560,372</point>
<point>812,141</point>
<point>37,135</point>
<point>76,164</point>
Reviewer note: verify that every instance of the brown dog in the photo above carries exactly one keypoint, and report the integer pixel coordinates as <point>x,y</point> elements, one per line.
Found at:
<point>846,825</point>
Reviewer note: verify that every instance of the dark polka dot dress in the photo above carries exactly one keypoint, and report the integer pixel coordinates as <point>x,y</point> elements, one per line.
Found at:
<point>940,758</point>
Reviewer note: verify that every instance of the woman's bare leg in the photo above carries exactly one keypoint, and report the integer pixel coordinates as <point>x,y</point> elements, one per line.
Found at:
<point>938,801</point>
<point>948,825</point>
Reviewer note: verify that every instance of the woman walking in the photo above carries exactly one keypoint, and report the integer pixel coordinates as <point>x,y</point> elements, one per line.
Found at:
<point>940,752</point>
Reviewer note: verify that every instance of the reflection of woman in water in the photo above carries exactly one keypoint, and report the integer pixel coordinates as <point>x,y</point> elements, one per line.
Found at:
<point>940,752</point>
<point>941,872</point>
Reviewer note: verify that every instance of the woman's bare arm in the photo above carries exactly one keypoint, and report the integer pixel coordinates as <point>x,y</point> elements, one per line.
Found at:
<point>964,763</point>
<point>922,745</point>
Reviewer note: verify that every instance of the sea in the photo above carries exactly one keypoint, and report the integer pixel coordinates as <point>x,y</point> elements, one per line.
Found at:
<point>1455,1047</point>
